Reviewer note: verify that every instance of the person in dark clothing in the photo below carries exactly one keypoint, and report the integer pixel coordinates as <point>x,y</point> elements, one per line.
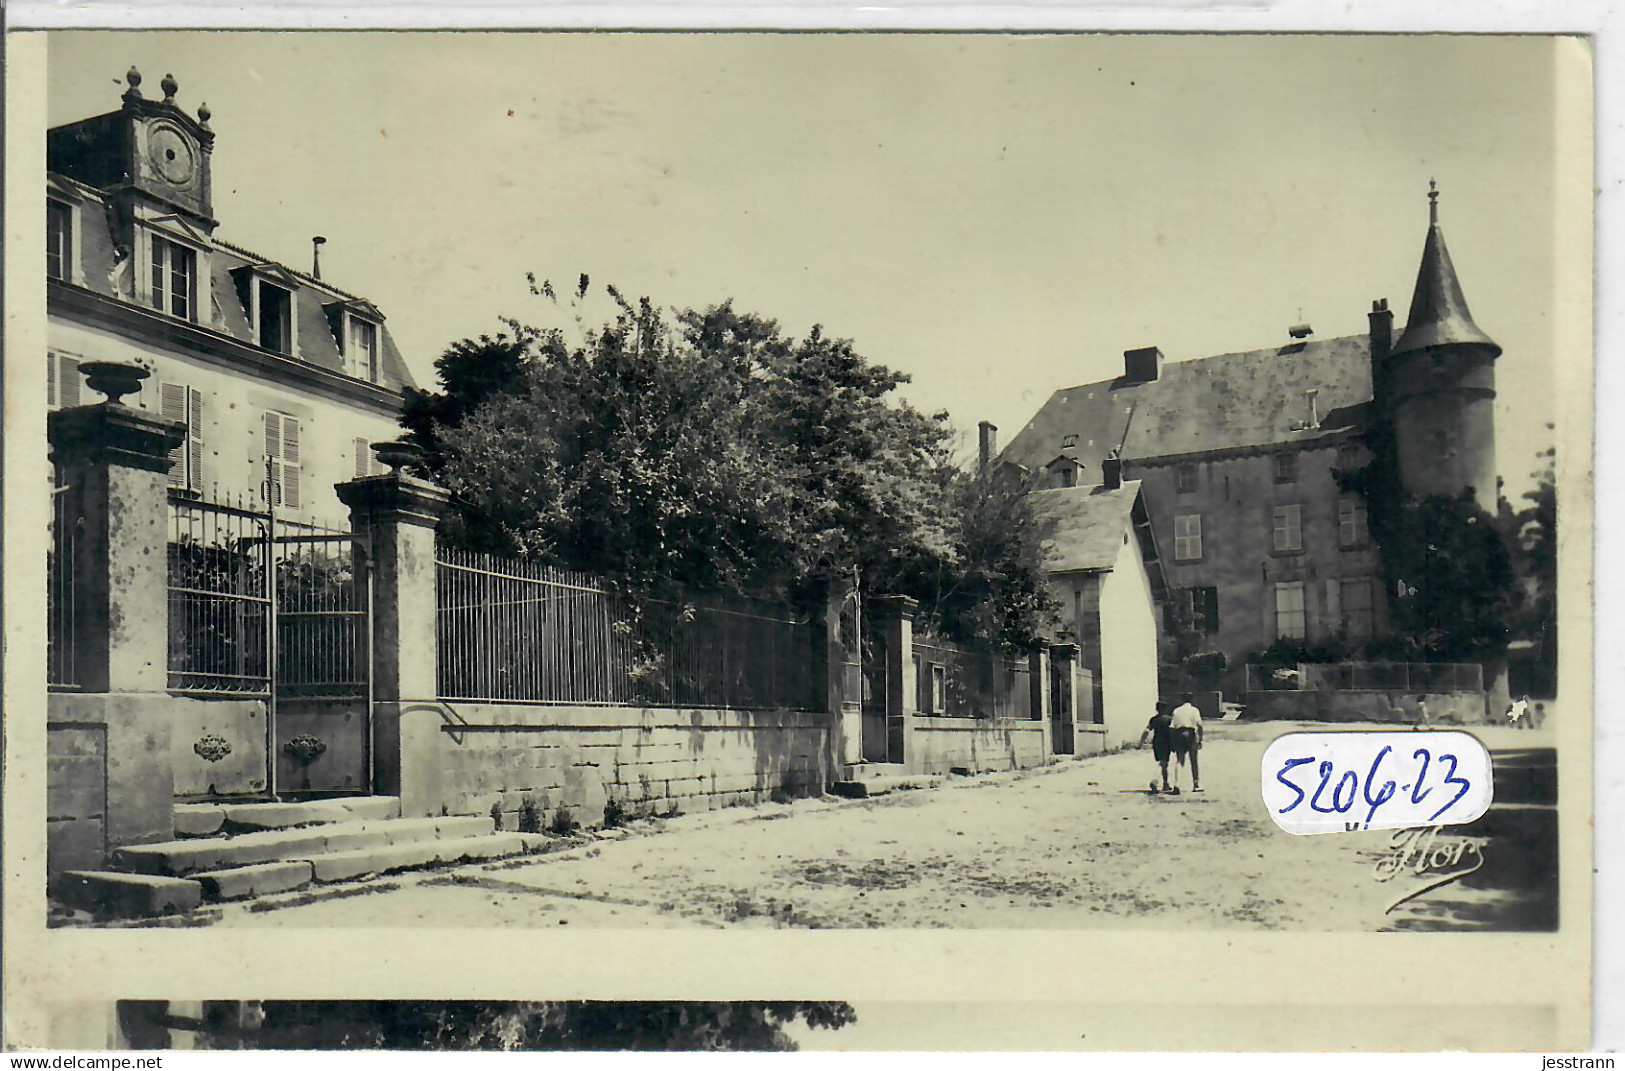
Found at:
<point>1156,730</point>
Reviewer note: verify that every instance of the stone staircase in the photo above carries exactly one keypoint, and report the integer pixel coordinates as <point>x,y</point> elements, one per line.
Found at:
<point>228,851</point>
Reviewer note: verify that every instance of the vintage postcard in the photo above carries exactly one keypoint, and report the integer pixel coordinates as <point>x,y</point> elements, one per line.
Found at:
<point>568,525</point>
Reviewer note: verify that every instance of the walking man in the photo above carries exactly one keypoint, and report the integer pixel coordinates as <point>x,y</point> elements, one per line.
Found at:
<point>1186,735</point>
<point>1158,732</point>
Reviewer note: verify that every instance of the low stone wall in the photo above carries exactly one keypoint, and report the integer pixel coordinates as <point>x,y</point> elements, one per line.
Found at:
<point>942,745</point>
<point>467,758</point>
<point>107,774</point>
<point>1375,705</point>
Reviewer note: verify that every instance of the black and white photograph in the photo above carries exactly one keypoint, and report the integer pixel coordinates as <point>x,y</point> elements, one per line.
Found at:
<point>655,484</point>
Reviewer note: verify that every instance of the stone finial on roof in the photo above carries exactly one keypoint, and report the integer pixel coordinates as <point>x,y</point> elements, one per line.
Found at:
<point>204,114</point>
<point>133,77</point>
<point>169,86</point>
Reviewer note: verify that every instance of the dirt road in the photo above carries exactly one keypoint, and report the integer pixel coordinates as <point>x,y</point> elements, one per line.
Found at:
<point>1077,845</point>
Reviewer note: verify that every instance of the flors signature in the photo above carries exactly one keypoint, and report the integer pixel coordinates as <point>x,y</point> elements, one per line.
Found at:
<point>1419,851</point>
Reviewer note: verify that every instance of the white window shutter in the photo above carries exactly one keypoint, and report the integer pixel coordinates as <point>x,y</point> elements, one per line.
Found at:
<point>194,440</point>
<point>68,390</point>
<point>273,455</point>
<point>172,402</point>
<point>290,462</point>
<point>363,454</point>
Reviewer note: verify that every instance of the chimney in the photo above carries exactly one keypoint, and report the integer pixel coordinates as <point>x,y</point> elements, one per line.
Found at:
<point>1314,411</point>
<point>1111,471</point>
<point>1300,331</point>
<point>316,244</point>
<point>1143,365</point>
<point>1382,330</point>
<point>987,446</point>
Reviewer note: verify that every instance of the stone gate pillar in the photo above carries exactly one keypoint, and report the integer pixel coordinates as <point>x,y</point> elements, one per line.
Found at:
<point>902,682</point>
<point>110,775</point>
<point>393,519</point>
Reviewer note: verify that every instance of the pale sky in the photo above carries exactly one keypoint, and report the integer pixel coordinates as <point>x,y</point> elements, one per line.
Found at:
<point>997,216</point>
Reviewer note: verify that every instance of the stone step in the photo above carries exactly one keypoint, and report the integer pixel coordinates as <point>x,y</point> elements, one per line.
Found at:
<point>344,866</point>
<point>182,857</point>
<point>127,895</point>
<point>241,882</point>
<point>207,819</point>
<point>873,782</point>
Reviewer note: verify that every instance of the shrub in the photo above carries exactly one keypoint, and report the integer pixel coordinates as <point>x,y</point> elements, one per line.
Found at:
<point>615,813</point>
<point>564,823</point>
<point>530,816</point>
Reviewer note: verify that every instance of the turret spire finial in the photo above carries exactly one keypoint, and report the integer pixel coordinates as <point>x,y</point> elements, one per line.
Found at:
<point>1433,202</point>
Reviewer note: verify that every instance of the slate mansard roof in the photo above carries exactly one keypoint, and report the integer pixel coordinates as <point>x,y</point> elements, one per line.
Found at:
<point>99,267</point>
<point>1251,400</point>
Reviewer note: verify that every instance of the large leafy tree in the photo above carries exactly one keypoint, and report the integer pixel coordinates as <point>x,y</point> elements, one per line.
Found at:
<point>706,450</point>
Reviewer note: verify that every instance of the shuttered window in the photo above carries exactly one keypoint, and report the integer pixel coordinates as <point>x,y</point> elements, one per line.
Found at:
<point>1188,537</point>
<point>283,460</point>
<point>1290,615</point>
<point>1287,531</point>
<point>185,405</point>
<point>62,381</point>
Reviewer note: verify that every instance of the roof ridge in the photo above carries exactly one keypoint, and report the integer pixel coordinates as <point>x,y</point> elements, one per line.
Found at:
<point>305,277</point>
<point>1210,357</point>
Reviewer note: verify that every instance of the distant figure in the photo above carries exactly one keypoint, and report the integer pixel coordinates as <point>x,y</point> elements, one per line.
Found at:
<point>1158,732</point>
<point>1540,715</point>
<point>1186,734</point>
<point>1422,721</point>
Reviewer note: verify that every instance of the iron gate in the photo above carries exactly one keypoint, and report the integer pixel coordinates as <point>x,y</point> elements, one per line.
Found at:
<point>270,637</point>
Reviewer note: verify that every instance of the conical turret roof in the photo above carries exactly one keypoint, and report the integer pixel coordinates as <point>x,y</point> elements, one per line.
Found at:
<point>1439,315</point>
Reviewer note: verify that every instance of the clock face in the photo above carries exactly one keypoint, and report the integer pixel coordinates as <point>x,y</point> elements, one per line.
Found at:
<point>171,155</point>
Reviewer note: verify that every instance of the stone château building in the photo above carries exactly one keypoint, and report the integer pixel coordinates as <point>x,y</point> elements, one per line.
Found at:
<point>283,380</point>
<point>1235,453</point>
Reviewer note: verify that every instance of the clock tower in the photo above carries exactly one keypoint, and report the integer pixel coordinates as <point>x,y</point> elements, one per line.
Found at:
<point>149,152</point>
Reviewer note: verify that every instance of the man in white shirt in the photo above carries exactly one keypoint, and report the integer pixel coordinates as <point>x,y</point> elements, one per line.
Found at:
<point>1186,732</point>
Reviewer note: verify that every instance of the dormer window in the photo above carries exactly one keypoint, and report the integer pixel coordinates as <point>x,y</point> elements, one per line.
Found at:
<point>275,320</point>
<point>267,293</point>
<point>59,258</point>
<point>174,275</point>
<point>362,351</point>
<point>355,327</point>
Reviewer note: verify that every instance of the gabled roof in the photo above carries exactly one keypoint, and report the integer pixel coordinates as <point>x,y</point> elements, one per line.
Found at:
<point>1255,398</point>
<point>1084,526</point>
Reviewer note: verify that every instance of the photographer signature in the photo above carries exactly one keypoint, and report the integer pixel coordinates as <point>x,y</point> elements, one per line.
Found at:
<point>1419,851</point>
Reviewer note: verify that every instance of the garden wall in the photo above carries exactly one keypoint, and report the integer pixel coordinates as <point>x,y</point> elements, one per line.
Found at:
<point>468,758</point>
<point>942,745</point>
<point>1370,705</point>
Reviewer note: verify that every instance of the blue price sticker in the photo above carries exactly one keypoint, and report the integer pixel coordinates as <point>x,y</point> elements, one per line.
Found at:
<point>1343,782</point>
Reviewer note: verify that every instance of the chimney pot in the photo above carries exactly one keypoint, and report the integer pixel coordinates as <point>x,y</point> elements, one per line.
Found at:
<point>316,244</point>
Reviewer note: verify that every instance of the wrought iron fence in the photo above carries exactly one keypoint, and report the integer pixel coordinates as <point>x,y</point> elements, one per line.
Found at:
<point>1375,676</point>
<point>61,669</point>
<point>516,631</point>
<point>321,614</point>
<point>219,598</point>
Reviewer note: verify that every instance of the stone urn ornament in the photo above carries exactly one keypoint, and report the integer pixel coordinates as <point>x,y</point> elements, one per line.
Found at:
<point>397,455</point>
<point>114,379</point>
